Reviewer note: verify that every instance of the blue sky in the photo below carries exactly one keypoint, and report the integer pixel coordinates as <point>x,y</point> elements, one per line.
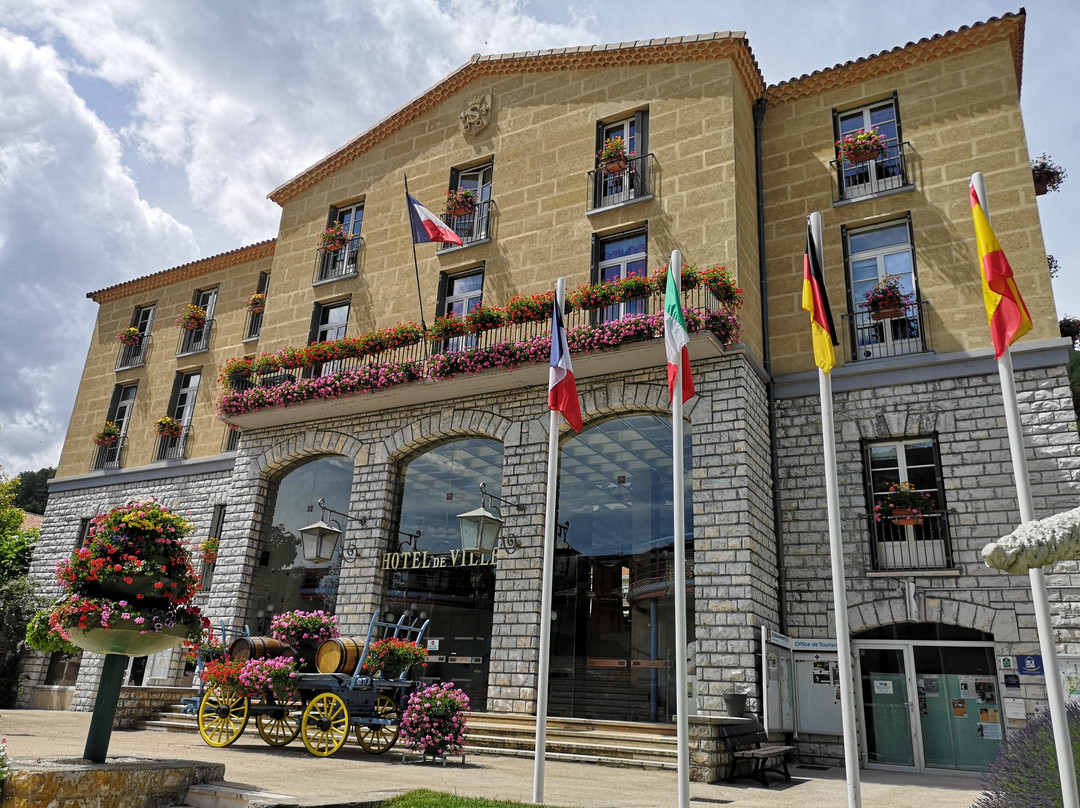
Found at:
<point>136,135</point>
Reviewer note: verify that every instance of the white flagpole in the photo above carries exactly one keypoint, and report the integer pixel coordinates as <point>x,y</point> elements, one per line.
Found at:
<point>836,554</point>
<point>540,752</point>
<point>683,722</point>
<point>1040,597</point>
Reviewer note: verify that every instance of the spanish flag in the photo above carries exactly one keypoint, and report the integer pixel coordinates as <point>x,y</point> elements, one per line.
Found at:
<point>1005,309</point>
<point>816,301</point>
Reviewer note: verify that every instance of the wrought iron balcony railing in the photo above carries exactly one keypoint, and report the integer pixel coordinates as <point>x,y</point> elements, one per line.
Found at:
<point>196,340</point>
<point>472,227</point>
<point>623,185</point>
<point>888,172</point>
<point>924,544</point>
<point>134,356</point>
<point>871,338</point>
<point>254,325</point>
<point>173,448</point>
<point>108,457</point>
<point>343,263</point>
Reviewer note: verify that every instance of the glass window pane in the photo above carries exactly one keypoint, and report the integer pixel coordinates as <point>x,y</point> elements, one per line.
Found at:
<point>864,240</point>
<point>622,247</point>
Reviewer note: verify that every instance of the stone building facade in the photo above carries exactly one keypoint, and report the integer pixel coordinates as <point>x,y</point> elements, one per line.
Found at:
<point>725,170</point>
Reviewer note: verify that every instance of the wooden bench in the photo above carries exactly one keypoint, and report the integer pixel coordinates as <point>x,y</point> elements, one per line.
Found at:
<point>749,741</point>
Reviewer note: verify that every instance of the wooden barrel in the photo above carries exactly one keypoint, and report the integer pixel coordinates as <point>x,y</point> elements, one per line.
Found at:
<point>245,648</point>
<point>339,655</point>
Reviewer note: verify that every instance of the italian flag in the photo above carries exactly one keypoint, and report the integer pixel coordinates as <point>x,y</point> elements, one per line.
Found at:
<point>676,337</point>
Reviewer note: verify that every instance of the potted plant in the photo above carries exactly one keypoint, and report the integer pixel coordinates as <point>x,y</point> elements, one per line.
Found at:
<point>168,427</point>
<point>613,157</point>
<point>274,678</point>
<point>223,674</point>
<point>723,287</point>
<point>529,308</point>
<point>483,318</point>
<point>333,238</point>
<point>130,586</point>
<point>448,327</point>
<point>208,647</point>
<point>434,720</point>
<point>690,278</point>
<point>305,631</point>
<point>129,336</point>
<point>888,299</point>
<point>596,296</point>
<point>191,317</point>
<point>108,436</point>
<point>1046,174</point>
<point>460,202</point>
<point>395,656</point>
<point>861,146</point>
<point>256,304</point>
<point>903,505</point>
<point>209,549</point>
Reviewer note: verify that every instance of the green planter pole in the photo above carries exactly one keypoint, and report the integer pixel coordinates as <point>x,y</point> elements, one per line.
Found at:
<point>108,694</point>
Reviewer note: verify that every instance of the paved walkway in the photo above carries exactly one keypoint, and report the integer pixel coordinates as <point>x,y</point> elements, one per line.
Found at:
<point>353,775</point>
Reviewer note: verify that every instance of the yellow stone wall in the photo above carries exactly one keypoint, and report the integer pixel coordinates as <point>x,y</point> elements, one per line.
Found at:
<point>155,379</point>
<point>961,114</point>
<point>541,139</point>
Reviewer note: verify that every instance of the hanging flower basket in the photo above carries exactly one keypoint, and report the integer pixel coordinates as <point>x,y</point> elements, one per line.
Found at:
<point>905,516</point>
<point>888,299</point>
<point>861,146</point>
<point>129,336</point>
<point>128,638</point>
<point>333,238</point>
<point>460,202</point>
<point>108,436</point>
<point>191,317</point>
<point>168,427</point>
<point>903,505</point>
<point>613,157</point>
<point>1046,174</point>
<point>256,304</point>
<point>209,549</point>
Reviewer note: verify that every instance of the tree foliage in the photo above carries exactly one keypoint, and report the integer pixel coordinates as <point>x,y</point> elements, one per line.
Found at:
<point>32,489</point>
<point>19,602</point>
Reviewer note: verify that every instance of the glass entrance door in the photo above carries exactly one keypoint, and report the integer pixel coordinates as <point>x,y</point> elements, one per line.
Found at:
<point>887,707</point>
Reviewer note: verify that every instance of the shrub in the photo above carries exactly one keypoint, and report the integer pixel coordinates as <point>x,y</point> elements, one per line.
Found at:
<point>434,720</point>
<point>1025,772</point>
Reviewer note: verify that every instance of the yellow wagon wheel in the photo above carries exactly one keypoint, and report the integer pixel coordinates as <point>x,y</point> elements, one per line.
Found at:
<point>381,735</point>
<point>223,714</point>
<point>281,726</point>
<point>325,724</point>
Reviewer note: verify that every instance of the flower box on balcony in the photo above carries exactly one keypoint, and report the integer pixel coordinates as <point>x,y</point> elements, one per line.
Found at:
<point>129,336</point>
<point>191,317</point>
<point>168,427</point>
<point>460,202</point>
<point>333,238</point>
<point>613,157</point>
<point>108,436</point>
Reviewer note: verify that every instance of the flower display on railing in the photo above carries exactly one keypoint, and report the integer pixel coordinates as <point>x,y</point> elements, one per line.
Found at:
<point>888,299</point>
<point>434,720</point>
<point>1047,175</point>
<point>596,296</point>
<point>133,573</point>
<point>862,146</point>
<point>333,238</point>
<point>529,308</point>
<point>275,677</point>
<point>256,304</point>
<point>108,436</point>
<point>168,427</point>
<point>690,278</point>
<point>613,156</point>
<point>129,336</point>
<point>460,202</point>
<point>903,500</point>
<point>299,627</point>
<point>209,548</point>
<point>483,318</point>
<point>724,287</point>
<point>448,327</point>
<point>392,655</point>
<point>191,317</point>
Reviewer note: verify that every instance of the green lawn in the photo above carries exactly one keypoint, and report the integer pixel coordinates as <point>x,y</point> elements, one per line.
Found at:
<point>433,799</point>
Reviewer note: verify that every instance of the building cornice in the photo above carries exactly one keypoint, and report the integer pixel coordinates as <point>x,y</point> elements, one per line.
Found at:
<point>1008,26</point>
<point>731,45</point>
<point>195,269</point>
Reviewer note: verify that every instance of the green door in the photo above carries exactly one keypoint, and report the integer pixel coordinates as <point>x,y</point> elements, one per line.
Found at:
<point>887,706</point>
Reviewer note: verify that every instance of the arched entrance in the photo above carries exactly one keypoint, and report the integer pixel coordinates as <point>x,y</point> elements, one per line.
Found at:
<point>929,697</point>
<point>613,635</point>
<point>456,596</point>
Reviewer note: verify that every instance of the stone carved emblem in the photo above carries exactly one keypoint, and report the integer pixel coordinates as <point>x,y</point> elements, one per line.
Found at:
<point>476,114</point>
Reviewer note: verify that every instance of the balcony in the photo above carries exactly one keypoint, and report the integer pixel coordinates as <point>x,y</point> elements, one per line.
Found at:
<point>604,340</point>
<point>108,457</point>
<point>173,448</point>
<point>254,325</point>
<point>343,263</point>
<point>632,184</point>
<point>134,356</point>
<point>884,174</point>
<point>473,227</point>
<point>922,546</point>
<point>868,338</point>
<point>196,340</point>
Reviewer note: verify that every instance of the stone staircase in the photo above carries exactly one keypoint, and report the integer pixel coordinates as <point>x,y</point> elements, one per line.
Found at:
<point>609,743</point>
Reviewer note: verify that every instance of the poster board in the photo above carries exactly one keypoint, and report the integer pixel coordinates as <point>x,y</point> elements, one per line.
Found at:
<point>800,684</point>
<point>1069,669</point>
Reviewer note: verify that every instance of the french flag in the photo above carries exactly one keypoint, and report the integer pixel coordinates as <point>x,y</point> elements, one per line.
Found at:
<point>562,391</point>
<point>426,226</point>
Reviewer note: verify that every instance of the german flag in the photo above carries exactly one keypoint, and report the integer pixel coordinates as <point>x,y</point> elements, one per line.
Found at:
<point>816,301</point>
<point>1005,309</point>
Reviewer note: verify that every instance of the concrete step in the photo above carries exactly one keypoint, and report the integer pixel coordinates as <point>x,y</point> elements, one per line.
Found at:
<point>219,795</point>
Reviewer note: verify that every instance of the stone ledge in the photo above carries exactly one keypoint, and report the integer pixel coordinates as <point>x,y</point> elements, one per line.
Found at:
<point>123,782</point>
